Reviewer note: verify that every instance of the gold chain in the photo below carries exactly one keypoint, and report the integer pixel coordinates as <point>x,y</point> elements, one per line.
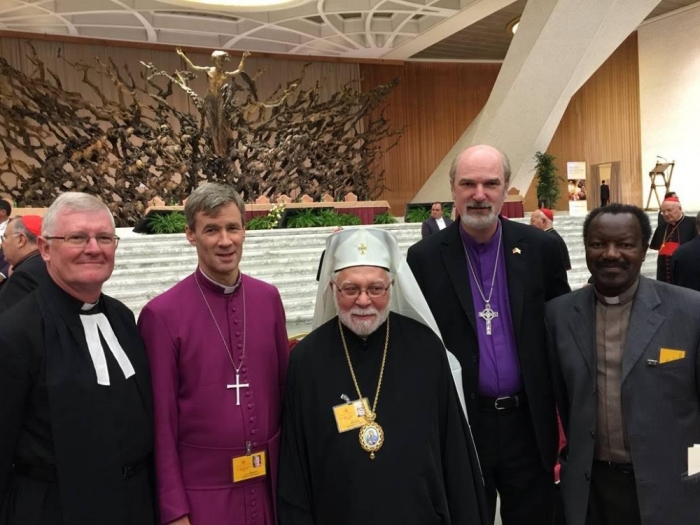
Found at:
<point>371,416</point>
<point>667,238</point>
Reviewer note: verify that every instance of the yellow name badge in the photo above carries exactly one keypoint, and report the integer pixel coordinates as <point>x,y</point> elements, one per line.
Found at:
<point>666,355</point>
<point>249,467</point>
<point>349,416</point>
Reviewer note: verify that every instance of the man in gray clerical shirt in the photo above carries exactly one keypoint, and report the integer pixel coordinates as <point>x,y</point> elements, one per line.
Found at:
<point>486,280</point>
<point>626,369</point>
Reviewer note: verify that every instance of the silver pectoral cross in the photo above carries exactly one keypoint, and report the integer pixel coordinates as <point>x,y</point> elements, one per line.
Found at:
<point>488,315</point>
<point>238,385</point>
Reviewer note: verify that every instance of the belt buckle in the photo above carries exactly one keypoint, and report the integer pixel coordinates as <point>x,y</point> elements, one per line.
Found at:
<point>495,404</point>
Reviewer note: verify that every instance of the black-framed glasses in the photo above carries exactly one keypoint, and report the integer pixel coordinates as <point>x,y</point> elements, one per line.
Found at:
<point>82,239</point>
<point>350,291</point>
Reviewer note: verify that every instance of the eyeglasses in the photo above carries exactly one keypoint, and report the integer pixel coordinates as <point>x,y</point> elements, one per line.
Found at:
<point>3,237</point>
<point>82,239</point>
<point>351,291</point>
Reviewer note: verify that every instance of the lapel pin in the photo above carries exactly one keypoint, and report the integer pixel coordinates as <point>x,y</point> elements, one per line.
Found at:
<point>516,250</point>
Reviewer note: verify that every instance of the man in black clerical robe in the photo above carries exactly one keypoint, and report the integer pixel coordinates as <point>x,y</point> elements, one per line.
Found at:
<point>676,229</point>
<point>21,251</point>
<point>76,411</point>
<point>426,470</point>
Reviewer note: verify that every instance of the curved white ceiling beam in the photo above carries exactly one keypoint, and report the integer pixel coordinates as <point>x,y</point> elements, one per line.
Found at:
<point>23,5</point>
<point>466,17</point>
<point>322,13</point>
<point>150,30</point>
<point>365,34</point>
<point>67,23</point>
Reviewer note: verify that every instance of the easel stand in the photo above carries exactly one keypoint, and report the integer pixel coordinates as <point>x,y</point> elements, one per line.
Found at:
<point>665,172</point>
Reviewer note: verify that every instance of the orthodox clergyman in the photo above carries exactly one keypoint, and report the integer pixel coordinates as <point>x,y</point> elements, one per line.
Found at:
<point>373,428</point>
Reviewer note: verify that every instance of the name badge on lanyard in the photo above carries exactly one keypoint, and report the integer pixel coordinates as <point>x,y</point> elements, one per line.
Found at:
<point>249,466</point>
<point>350,416</point>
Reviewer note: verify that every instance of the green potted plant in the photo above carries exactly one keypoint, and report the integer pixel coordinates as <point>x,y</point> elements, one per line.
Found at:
<point>548,188</point>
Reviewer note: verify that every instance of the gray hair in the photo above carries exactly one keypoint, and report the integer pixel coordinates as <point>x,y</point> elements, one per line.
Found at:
<point>21,228</point>
<point>209,199</point>
<point>504,161</point>
<point>68,202</point>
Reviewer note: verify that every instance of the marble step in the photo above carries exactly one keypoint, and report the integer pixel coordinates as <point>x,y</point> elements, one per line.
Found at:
<point>146,266</point>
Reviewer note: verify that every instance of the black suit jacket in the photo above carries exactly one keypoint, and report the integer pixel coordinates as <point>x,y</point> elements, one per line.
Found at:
<point>685,265</point>
<point>4,268</point>
<point>536,274</point>
<point>25,278</point>
<point>430,226</point>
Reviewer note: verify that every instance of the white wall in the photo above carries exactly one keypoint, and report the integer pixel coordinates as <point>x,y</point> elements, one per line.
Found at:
<point>669,83</point>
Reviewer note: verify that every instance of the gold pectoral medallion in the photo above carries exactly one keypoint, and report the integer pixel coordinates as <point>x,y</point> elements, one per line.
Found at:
<point>371,437</point>
<point>371,434</point>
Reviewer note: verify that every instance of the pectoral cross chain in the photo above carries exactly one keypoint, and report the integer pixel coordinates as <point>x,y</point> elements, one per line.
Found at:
<point>238,385</point>
<point>488,315</point>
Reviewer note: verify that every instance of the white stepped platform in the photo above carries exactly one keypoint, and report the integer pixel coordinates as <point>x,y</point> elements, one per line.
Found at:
<point>147,265</point>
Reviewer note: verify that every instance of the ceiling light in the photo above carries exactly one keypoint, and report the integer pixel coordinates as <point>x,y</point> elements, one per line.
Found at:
<point>512,26</point>
<point>238,5</point>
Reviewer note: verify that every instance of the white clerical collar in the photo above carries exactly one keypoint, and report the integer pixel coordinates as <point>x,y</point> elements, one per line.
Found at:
<point>226,289</point>
<point>93,325</point>
<point>623,298</point>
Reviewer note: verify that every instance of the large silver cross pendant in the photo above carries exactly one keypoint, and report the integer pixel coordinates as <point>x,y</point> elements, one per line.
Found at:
<point>488,315</point>
<point>238,385</point>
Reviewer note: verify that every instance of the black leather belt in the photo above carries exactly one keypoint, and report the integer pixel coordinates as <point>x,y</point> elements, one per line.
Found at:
<point>502,403</point>
<point>48,473</point>
<point>625,468</point>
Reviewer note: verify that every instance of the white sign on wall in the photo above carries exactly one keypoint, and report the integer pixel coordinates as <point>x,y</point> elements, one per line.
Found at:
<point>576,170</point>
<point>576,177</point>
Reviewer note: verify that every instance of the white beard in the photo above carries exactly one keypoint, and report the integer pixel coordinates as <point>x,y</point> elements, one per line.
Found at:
<point>361,328</point>
<point>478,222</point>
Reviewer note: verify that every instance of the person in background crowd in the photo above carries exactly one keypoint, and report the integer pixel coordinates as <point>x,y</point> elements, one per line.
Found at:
<point>22,252</point>
<point>436,222</point>
<point>604,194</point>
<point>5,212</point>
<point>675,230</point>
<point>685,262</point>
<point>544,220</point>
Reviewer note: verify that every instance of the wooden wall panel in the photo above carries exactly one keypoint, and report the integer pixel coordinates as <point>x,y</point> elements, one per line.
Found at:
<point>331,76</point>
<point>601,125</point>
<point>436,102</point>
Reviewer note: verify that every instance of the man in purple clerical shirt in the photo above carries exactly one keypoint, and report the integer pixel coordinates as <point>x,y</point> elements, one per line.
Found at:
<point>218,349</point>
<point>486,280</point>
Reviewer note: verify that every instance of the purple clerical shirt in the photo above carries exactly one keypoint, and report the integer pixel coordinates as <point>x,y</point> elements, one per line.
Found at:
<point>499,365</point>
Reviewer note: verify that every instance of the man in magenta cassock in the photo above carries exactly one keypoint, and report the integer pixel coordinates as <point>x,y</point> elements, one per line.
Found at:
<point>218,349</point>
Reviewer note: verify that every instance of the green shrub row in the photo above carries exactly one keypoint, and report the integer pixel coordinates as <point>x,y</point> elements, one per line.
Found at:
<point>175,222</point>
